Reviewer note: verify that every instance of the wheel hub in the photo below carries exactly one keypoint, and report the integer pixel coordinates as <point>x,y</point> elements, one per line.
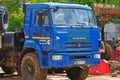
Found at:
<point>30,69</point>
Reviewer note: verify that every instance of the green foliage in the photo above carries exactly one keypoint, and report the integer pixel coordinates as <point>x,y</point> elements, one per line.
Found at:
<point>17,16</point>
<point>16,19</point>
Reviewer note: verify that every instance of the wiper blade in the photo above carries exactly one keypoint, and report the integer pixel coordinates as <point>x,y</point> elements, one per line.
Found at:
<point>80,23</point>
<point>89,25</point>
<point>84,24</point>
<point>60,24</point>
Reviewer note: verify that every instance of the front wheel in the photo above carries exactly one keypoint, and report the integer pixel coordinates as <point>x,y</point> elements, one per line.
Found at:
<point>30,68</point>
<point>77,73</point>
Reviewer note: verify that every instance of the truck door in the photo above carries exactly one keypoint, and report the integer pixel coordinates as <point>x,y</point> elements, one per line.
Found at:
<point>40,29</point>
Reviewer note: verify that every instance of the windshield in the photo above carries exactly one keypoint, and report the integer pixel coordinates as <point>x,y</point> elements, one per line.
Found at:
<point>73,17</point>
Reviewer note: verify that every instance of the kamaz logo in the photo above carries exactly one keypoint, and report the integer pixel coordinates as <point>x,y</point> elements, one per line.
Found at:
<point>77,38</point>
<point>63,32</point>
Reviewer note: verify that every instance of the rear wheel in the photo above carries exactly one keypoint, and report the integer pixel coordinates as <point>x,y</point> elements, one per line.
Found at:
<point>77,73</point>
<point>9,70</point>
<point>30,68</point>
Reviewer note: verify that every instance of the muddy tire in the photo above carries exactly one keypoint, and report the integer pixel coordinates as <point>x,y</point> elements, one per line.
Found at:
<point>30,68</point>
<point>4,18</point>
<point>8,70</point>
<point>78,73</point>
<point>108,52</point>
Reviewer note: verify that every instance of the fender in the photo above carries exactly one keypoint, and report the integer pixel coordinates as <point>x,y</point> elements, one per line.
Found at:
<point>32,46</point>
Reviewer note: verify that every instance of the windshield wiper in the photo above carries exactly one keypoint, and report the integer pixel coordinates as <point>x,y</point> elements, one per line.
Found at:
<point>89,25</point>
<point>79,24</point>
<point>60,24</point>
<point>84,24</point>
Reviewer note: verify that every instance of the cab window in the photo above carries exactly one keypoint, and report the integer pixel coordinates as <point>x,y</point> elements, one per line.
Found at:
<point>42,18</point>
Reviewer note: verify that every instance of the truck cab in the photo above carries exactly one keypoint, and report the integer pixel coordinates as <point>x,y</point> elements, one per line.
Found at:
<point>62,35</point>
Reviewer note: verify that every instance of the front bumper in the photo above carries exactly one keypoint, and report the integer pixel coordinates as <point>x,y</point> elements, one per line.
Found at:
<point>73,59</point>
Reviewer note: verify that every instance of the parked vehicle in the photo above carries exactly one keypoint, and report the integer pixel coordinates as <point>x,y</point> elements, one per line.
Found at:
<point>55,36</point>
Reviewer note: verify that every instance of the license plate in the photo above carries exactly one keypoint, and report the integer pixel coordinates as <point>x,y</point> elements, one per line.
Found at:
<point>79,62</point>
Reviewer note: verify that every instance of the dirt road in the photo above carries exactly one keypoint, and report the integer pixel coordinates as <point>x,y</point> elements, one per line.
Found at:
<point>60,77</point>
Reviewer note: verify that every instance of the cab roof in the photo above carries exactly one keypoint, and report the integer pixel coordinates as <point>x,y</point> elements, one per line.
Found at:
<point>54,5</point>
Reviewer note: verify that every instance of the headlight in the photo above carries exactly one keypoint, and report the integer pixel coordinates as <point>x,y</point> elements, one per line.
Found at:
<point>57,57</point>
<point>97,56</point>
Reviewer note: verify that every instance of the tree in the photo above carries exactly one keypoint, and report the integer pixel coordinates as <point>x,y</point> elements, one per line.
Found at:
<point>97,0</point>
<point>17,16</point>
<point>104,1</point>
<point>3,2</point>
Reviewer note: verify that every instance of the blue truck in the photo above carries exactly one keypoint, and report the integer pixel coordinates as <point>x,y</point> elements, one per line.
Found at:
<point>55,36</point>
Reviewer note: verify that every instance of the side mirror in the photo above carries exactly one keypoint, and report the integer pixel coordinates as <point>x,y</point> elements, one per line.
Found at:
<point>40,20</point>
<point>98,20</point>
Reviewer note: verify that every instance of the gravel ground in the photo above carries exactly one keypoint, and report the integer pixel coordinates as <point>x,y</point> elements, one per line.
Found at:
<point>60,77</point>
<point>63,77</point>
<point>90,77</point>
<point>102,77</point>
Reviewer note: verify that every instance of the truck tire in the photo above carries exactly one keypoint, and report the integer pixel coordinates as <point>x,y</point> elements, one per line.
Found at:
<point>108,52</point>
<point>30,68</point>
<point>8,70</point>
<point>78,73</point>
<point>4,18</point>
